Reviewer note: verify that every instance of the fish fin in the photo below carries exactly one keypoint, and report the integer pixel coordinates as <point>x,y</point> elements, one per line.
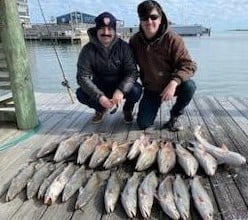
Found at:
<point>224,147</point>
<point>142,147</point>
<point>192,149</point>
<point>157,196</point>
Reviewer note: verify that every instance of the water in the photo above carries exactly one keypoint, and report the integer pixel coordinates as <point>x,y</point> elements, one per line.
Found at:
<point>222,61</point>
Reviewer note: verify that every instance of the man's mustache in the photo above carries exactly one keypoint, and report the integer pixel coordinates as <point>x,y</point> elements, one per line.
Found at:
<point>106,35</point>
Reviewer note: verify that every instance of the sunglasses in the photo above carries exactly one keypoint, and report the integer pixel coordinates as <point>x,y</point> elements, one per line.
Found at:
<point>152,17</point>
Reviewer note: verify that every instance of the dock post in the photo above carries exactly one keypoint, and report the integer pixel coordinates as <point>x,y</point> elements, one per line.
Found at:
<point>17,60</point>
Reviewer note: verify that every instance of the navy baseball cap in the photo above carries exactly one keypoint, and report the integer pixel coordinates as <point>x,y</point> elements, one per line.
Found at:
<point>105,20</point>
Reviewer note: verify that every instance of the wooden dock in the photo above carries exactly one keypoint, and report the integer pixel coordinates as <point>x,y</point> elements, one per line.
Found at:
<point>224,120</point>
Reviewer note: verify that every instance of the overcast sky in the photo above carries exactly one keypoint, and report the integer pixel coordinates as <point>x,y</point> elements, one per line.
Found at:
<point>217,14</point>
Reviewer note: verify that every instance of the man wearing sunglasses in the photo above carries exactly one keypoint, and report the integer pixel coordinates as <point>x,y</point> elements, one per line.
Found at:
<point>165,66</point>
<point>107,71</point>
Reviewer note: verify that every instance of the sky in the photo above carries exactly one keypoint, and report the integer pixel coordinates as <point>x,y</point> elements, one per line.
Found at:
<point>218,15</point>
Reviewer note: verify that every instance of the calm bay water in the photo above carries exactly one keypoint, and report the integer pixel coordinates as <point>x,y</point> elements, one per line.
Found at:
<point>222,61</point>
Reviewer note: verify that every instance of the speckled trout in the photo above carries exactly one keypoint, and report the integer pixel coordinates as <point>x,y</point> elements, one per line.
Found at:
<point>223,154</point>
<point>146,192</point>
<point>201,199</point>
<point>166,197</point>
<point>166,157</point>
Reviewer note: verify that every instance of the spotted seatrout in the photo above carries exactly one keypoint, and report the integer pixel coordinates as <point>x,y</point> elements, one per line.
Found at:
<point>67,147</point>
<point>100,154</point>
<point>112,192</point>
<point>47,181</point>
<point>50,147</point>
<point>147,156</point>
<point>87,148</point>
<point>166,157</point>
<point>187,161</point>
<point>117,156</point>
<point>58,184</point>
<point>87,192</point>
<point>201,199</point>
<point>137,145</point>
<point>205,159</point>
<point>166,197</point>
<point>78,179</point>
<point>223,154</point>
<point>34,183</point>
<point>146,194</point>
<point>182,197</point>
<point>20,181</point>
<point>129,195</point>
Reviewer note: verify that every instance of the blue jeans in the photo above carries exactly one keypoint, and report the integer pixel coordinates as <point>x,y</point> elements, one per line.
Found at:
<point>150,103</point>
<point>131,97</point>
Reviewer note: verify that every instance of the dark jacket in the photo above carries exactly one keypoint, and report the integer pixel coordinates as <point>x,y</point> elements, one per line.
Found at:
<point>162,58</point>
<point>110,66</point>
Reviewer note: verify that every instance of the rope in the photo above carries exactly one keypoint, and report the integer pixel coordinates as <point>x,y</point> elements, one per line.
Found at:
<point>23,137</point>
<point>64,83</point>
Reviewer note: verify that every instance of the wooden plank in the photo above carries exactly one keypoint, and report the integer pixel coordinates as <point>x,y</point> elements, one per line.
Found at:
<point>6,97</point>
<point>30,209</point>
<point>241,118</point>
<point>189,120</point>
<point>5,85</point>
<point>8,209</point>
<point>6,101</point>
<point>228,196</point>
<point>7,115</point>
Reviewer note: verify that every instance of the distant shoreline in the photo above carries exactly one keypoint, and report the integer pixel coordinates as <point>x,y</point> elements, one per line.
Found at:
<point>239,30</point>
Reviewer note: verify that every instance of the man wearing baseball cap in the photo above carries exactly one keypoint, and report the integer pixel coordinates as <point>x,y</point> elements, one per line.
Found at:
<point>106,71</point>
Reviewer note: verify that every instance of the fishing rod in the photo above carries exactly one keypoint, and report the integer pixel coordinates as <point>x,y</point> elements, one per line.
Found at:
<point>64,83</point>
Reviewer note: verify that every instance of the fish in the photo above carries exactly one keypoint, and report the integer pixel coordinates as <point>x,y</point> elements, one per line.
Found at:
<point>146,192</point>
<point>166,157</point>
<point>222,154</point>
<point>50,147</point>
<point>58,184</point>
<point>129,195</point>
<point>47,181</point>
<point>205,159</point>
<point>137,145</point>
<point>34,183</point>
<point>67,147</point>
<point>100,154</point>
<point>182,197</point>
<point>201,199</point>
<point>166,198</point>
<point>78,179</point>
<point>187,161</point>
<point>112,192</point>
<point>87,148</point>
<point>118,155</point>
<point>89,191</point>
<point>147,156</point>
<point>20,181</point>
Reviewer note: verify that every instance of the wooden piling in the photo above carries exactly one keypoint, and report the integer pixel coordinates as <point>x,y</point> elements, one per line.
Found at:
<point>17,60</point>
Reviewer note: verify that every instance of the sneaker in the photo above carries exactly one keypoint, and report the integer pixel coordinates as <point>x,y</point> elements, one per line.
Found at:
<point>173,124</point>
<point>128,117</point>
<point>98,117</point>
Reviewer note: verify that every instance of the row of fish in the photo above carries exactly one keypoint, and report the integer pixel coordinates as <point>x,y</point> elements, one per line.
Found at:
<point>109,153</point>
<point>172,193</point>
<point>48,181</point>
